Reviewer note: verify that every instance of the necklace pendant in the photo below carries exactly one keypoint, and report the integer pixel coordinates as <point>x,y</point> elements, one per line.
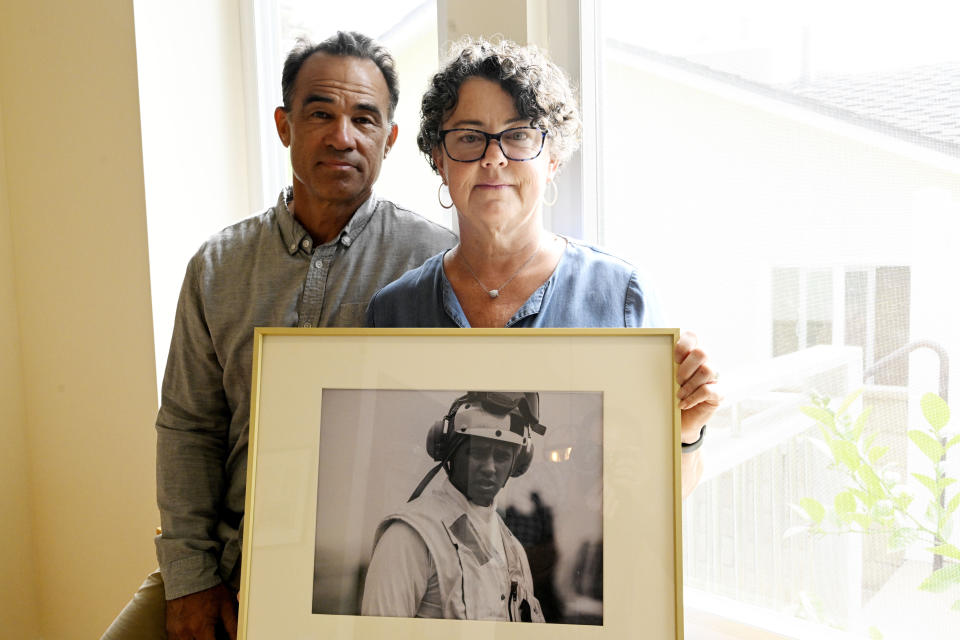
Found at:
<point>494,293</point>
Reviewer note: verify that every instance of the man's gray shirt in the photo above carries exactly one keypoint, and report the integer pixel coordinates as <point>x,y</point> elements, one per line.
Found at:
<point>261,272</point>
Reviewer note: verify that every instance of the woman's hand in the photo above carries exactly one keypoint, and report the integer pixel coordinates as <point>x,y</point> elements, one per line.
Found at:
<point>699,394</point>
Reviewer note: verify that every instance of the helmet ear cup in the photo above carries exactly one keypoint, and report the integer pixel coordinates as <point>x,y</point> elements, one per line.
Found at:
<point>440,436</point>
<point>437,440</point>
<point>524,458</point>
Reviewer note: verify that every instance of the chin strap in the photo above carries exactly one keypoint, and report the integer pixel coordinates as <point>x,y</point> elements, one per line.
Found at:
<point>423,483</point>
<point>430,474</point>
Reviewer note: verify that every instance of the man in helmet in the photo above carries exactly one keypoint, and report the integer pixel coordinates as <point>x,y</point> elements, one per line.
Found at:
<point>447,553</point>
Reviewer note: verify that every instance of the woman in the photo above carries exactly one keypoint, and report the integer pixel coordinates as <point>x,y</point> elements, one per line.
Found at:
<point>497,123</point>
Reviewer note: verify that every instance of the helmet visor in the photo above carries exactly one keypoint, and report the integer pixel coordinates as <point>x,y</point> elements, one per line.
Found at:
<point>524,404</point>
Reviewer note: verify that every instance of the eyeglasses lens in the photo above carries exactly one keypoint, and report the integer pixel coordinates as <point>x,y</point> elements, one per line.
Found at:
<point>468,145</point>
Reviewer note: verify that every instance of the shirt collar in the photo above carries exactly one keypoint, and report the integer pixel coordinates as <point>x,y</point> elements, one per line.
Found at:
<point>295,235</point>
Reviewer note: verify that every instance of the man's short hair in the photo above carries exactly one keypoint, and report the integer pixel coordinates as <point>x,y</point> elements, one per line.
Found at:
<point>344,43</point>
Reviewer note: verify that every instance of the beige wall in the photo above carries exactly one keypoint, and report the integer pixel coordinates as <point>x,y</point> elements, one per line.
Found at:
<point>18,588</point>
<point>458,18</point>
<point>76,261</point>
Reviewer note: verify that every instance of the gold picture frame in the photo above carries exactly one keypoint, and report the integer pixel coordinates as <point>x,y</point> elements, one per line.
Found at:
<point>627,373</point>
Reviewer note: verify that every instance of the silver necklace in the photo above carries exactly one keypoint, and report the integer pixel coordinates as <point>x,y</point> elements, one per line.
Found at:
<point>495,293</point>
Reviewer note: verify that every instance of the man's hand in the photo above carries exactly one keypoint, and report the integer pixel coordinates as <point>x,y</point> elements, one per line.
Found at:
<point>698,395</point>
<point>199,615</point>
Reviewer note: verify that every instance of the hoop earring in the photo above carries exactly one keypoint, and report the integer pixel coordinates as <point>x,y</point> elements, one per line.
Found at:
<point>556,194</point>
<point>440,199</point>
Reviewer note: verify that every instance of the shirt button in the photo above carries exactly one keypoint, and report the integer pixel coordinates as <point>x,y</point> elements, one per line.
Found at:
<point>503,597</point>
<point>305,244</point>
<point>293,247</point>
<point>318,264</point>
<point>346,241</point>
<point>307,324</point>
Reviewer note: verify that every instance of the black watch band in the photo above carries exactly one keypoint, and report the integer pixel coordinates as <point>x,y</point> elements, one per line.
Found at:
<point>693,446</point>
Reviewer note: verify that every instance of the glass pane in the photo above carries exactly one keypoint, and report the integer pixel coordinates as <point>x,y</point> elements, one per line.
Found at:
<point>408,28</point>
<point>893,321</point>
<point>855,303</point>
<point>788,176</point>
<point>786,310</point>
<point>819,307</point>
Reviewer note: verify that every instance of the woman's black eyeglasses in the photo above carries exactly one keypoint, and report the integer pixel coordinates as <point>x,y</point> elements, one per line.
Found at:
<point>469,145</point>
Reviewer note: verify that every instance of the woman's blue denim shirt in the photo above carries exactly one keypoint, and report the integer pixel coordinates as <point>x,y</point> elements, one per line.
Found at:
<point>589,288</point>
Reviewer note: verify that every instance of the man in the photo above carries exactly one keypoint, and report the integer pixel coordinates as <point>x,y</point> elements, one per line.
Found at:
<point>447,553</point>
<point>314,259</point>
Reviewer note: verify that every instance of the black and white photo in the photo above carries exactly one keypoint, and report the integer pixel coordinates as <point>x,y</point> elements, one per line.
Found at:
<point>476,505</point>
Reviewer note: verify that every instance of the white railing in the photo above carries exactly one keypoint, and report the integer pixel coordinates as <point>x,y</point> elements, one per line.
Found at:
<point>759,462</point>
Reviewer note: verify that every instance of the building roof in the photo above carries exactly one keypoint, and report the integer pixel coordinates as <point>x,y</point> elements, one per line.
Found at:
<point>920,103</point>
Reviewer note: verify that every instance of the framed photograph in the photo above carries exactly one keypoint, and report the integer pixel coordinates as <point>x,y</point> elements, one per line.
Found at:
<point>432,483</point>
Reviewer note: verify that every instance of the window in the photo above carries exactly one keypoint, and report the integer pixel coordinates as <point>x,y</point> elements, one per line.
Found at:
<point>417,33</point>
<point>790,177</point>
<point>408,28</point>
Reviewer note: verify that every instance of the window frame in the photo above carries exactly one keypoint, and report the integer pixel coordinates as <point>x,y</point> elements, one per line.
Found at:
<point>566,28</point>
<point>260,33</point>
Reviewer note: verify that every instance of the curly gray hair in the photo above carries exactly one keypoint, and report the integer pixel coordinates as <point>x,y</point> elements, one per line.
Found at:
<point>540,90</point>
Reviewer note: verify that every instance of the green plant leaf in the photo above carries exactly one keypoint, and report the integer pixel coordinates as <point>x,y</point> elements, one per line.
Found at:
<point>903,501</point>
<point>849,400</point>
<point>872,482</point>
<point>947,550</point>
<point>956,606</point>
<point>930,446</point>
<point>819,400</point>
<point>862,520</point>
<point>942,579</point>
<point>874,633</point>
<point>952,441</point>
<point>860,422</point>
<point>901,539</point>
<point>928,482</point>
<point>814,510</point>
<point>822,447</point>
<point>935,410</point>
<point>823,416</point>
<point>792,531</point>
<point>953,504</point>
<point>875,453</point>
<point>825,433</point>
<point>931,513</point>
<point>845,452</point>
<point>845,503</point>
<point>882,512</point>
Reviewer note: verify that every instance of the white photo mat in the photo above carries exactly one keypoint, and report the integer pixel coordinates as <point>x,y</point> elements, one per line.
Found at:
<point>632,368</point>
